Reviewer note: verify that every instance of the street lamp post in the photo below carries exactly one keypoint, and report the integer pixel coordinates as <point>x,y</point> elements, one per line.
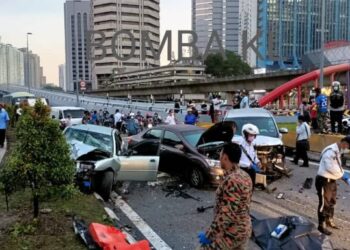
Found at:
<point>323,17</point>
<point>28,79</point>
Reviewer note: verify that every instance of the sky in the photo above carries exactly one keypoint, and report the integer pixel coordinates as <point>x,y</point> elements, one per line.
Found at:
<point>45,19</point>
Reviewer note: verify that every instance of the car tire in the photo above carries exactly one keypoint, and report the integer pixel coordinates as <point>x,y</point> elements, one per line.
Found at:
<point>196,178</point>
<point>106,184</point>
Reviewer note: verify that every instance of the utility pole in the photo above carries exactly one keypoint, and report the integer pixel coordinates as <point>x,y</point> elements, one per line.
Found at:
<point>323,17</point>
<point>28,78</point>
<point>77,93</point>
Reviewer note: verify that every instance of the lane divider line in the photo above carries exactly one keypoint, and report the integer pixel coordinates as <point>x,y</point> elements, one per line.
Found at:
<point>141,225</point>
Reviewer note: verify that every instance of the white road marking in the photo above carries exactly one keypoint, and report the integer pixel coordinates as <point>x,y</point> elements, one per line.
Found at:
<point>144,228</point>
<point>111,214</point>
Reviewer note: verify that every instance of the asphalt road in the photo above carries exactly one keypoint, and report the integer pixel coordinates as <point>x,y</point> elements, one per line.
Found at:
<point>175,219</point>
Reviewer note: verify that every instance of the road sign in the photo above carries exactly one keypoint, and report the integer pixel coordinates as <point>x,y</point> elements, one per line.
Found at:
<point>82,85</point>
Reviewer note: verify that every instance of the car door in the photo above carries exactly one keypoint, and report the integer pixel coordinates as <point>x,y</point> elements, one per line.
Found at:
<point>174,160</point>
<point>141,164</point>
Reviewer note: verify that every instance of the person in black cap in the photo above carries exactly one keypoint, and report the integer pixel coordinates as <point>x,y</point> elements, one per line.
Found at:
<point>330,170</point>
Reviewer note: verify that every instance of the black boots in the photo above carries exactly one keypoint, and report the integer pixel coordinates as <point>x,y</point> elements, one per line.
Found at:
<point>322,228</point>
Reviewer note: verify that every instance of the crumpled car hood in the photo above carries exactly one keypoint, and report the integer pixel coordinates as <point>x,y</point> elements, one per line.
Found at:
<point>79,149</point>
<point>262,140</point>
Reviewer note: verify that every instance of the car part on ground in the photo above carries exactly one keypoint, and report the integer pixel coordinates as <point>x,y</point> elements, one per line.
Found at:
<point>178,191</point>
<point>300,234</point>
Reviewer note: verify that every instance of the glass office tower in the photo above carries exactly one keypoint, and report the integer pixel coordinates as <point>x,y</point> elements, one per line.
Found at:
<point>291,28</point>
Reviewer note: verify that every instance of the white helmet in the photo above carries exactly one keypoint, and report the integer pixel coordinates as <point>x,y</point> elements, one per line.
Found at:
<point>336,85</point>
<point>249,129</point>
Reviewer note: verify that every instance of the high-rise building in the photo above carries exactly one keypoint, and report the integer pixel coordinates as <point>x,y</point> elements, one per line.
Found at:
<point>11,65</point>
<point>62,76</point>
<point>289,29</point>
<point>33,74</point>
<point>111,16</point>
<point>230,19</point>
<point>77,24</point>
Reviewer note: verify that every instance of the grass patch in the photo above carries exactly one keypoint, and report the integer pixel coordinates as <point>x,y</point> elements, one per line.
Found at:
<point>289,126</point>
<point>50,231</point>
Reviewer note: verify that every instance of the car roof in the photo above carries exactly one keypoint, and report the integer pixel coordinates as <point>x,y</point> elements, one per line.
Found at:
<point>94,128</point>
<point>253,112</point>
<point>180,128</point>
<point>67,108</point>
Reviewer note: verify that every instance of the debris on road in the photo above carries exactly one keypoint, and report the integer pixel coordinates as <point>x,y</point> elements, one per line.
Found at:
<point>81,229</point>
<point>300,234</point>
<point>280,196</point>
<point>203,209</point>
<point>178,191</point>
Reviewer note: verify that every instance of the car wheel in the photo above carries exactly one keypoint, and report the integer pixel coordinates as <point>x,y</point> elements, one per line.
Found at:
<point>196,178</point>
<point>106,185</point>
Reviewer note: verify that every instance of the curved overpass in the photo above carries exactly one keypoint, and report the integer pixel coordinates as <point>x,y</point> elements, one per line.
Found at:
<point>299,81</point>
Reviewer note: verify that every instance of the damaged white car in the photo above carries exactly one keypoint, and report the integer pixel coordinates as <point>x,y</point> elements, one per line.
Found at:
<point>269,144</point>
<point>100,161</point>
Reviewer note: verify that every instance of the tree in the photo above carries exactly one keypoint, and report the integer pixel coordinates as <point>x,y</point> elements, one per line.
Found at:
<point>40,158</point>
<point>217,66</point>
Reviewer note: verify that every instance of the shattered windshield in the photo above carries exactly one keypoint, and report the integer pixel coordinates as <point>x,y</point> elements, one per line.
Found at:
<point>100,141</point>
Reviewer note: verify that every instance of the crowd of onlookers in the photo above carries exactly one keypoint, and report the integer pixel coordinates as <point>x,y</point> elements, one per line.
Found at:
<point>319,108</point>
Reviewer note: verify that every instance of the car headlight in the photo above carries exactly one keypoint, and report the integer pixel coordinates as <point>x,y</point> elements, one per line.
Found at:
<point>213,163</point>
<point>86,166</point>
<point>217,171</point>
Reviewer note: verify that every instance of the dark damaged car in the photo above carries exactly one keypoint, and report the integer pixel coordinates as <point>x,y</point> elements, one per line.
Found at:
<point>187,151</point>
<point>101,162</point>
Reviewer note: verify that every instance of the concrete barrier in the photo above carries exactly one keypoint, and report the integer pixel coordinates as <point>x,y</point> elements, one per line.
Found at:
<point>317,141</point>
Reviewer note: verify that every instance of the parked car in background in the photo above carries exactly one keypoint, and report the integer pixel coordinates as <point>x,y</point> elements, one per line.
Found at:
<point>62,113</point>
<point>188,151</point>
<point>100,161</point>
<point>269,144</point>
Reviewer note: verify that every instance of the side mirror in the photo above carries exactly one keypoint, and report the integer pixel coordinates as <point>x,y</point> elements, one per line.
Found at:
<point>180,147</point>
<point>283,130</point>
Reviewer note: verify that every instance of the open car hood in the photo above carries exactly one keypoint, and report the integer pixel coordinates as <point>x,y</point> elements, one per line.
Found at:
<point>219,132</point>
<point>79,150</point>
<point>262,140</point>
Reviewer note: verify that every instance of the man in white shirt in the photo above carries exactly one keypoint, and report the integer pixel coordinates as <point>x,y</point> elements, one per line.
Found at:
<point>216,103</point>
<point>249,161</point>
<point>330,170</point>
<point>170,119</point>
<point>117,120</point>
<point>302,143</point>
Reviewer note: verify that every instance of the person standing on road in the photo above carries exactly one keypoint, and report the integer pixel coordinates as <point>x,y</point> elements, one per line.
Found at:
<point>322,110</point>
<point>304,110</point>
<point>4,122</point>
<point>249,161</point>
<point>190,118</point>
<point>231,227</point>
<point>313,114</point>
<point>118,120</point>
<point>330,170</point>
<point>302,143</point>
<point>170,119</point>
<point>336,107</point>
<point>216,104</point>
<point>245,100</point>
